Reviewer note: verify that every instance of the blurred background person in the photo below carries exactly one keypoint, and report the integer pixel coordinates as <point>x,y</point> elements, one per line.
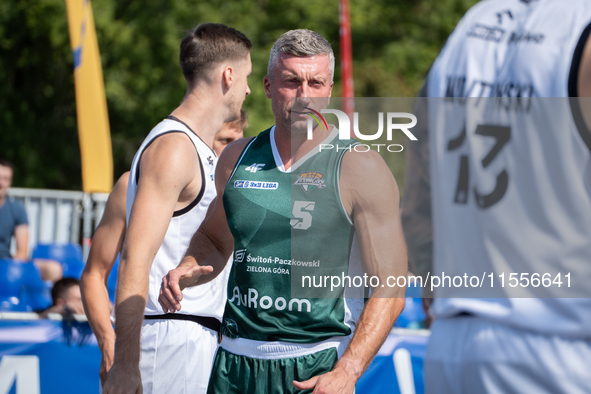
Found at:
<point>67,299</point>
<point>230,132</point>
<point>505,176</point>
<point>14,223</point>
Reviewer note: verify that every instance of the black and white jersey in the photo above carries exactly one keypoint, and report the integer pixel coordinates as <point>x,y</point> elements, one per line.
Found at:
<point>207,300</point>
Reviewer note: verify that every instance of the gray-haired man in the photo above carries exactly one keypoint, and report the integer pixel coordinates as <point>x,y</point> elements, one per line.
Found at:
<point>275,341</point>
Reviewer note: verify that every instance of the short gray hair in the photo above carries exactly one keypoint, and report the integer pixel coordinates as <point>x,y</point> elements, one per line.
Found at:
<point>301,42</point>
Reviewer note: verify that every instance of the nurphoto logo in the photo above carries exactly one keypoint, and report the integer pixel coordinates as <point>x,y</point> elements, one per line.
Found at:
<point>344,128</point>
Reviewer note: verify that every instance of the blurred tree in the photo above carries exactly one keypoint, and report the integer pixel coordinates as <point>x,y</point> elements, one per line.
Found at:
<point>37,110</point>
<point>394,44</point>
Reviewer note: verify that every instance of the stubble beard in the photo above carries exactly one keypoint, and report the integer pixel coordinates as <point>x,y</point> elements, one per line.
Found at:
<point>234,111</point>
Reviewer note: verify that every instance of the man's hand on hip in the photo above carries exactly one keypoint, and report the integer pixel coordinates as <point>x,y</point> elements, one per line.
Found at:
<point>335,381</point>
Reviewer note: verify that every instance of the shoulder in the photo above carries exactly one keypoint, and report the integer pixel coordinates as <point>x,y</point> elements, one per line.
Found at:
<point>118,196</point>
<point>235,148</point>
<point>122,182</point>
<point>172,156</point>
<point>19,211</point>
<point>16,206</point>
<point>364,163</point>
<point>232,153</point>
<point>365,177</point>
<point>169,145</point>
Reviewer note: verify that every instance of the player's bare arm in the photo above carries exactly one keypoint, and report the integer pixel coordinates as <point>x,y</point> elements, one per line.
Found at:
<point>370,195</point>
<point>211,245</point>
<point>21,236</point>
<point>106,244</point>
<point>167,182</point>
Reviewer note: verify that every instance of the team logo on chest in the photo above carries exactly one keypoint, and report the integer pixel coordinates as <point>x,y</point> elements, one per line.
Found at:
<point>311,179</point>
<point>239,255</point>
<point>254,167</point>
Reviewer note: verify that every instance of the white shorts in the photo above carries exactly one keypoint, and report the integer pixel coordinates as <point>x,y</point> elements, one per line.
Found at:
<point>177,356</point>
<point>468,355</point>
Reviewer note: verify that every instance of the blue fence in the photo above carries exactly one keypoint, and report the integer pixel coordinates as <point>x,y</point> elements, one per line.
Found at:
<point>46,356</point>
<point>56,357</point>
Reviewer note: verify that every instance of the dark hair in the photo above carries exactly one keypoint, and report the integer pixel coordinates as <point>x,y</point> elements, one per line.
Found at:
<point>208,45</point>
<point>6,163</point>
<point>62,286</point>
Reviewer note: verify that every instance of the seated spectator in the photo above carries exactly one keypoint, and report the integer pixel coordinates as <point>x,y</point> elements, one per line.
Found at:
<point>66,297</point>
<point>13,222</point>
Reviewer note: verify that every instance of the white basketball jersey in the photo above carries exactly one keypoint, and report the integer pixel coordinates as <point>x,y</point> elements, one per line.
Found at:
<point>511,179</point>
<point>207,300</point>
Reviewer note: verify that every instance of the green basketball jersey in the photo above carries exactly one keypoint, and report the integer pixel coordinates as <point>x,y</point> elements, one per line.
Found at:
<point>290,228</point>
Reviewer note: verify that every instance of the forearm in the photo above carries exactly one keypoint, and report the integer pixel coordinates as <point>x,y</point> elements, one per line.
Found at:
<point>21,254</point>
<point>21,236</point>
<point>97,306</point>
<point>204,251</point>
<point>373,328</point>
<point>132,291</point>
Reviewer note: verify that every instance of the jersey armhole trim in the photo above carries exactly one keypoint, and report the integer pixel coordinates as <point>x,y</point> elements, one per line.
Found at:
<point>240,159</point>
<point>172,117</point>
<point>137,172</point>
<point>199,196</point>
<point>573,91</point>
<point>339,165</point>
<point>201,192</point>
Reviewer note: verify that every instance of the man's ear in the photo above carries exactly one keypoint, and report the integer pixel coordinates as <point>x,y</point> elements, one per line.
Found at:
<point>60,301</point>
<point>267,85</point>
<point>330,91</point>
<point>227,77</point>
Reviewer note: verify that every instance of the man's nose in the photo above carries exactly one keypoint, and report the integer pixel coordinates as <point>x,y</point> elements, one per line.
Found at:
<point>304,90</point>
<point>304,94</point>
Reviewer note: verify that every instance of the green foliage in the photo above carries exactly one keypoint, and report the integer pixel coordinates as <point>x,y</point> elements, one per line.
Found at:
<point>37,110</point>
<point>394,43</point>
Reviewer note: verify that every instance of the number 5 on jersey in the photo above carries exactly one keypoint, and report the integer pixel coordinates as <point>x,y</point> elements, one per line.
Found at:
<point>302,217</point>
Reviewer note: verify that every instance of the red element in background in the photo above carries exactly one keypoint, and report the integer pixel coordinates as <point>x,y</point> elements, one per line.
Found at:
<point>346,59</point>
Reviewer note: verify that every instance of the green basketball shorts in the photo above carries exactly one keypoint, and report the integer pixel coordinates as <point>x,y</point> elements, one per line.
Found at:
<point>269,372</point>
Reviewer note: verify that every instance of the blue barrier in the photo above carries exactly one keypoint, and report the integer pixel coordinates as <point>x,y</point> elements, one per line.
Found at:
<point>11,278</point>
<point>21,287</point>
<point>55,357</point>
<point>383,376</point>
<point>112,281</point>
<point>66,355</point>
<point>36,294</point>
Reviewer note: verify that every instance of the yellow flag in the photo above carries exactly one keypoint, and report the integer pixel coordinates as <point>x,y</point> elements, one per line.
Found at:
<point>91,103</point>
